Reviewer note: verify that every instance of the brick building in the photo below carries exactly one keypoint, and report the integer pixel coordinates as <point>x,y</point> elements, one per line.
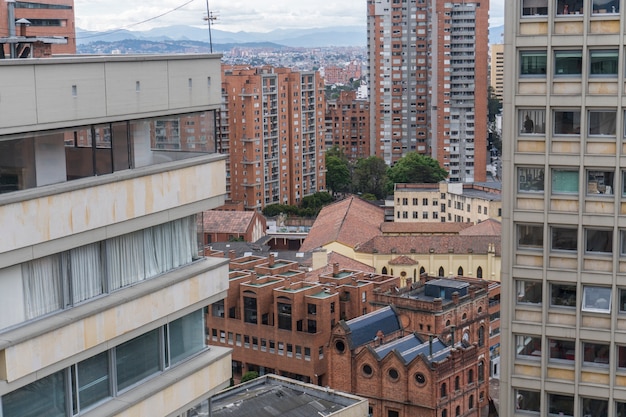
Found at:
<point>423,352</point>
<point>226,225</point>
<point>272,127</point>
<point>347,125</point>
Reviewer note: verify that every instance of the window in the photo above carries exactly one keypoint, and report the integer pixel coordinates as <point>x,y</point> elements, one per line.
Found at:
<point>479,272</point>
<point>566,122</point>
<point>311,326</point>
<point>46,396</point>
<point>605,6</point>
<point>530,180</point>
<point>530,236</point>
<point>532,121</point>
<point>602,122</point>
<point>595,354</point>
<point>561,405</point>
<point>564,181</point>
<point>91,381</point>
<point>595,407</point>
<point>563,295</point>
<point>528,347</point>
<point>568,63</point>
<point>597,299</point>
<point>424,201</point>
<point>249,310</point>
<point>528,292</point>
<point>599,241</point>
<point>481,371</point>
<point>218,309</point>
<point>600,183</point>
<point>603,63</point>
<point>564,238</point>
<point>527,400</point>
<point>137,359</point>
<point>562,349</point>
<point>481,336</point>
<point>533,63</point>
<point>444,390</point>
<point>457,383</point>
<point>284,316</point>
<point>185,336</point>
<point>312,309</point>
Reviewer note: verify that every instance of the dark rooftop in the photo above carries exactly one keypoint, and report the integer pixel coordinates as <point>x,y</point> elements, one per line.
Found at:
<point>363,329</point>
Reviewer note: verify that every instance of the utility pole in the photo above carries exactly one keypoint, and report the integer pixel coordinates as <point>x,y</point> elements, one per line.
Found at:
<point>209,18</point>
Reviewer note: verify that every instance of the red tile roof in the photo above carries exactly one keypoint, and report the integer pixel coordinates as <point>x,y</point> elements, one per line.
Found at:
<point>344,263</point>
<point>423,227</point>
<point>227,221</point>
<point>403,260</point>
<point>423,244</point>
<point>489,227</point>
<point>350,222</point>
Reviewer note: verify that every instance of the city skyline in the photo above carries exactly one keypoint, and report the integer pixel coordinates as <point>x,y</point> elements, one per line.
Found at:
<point>243,15</point>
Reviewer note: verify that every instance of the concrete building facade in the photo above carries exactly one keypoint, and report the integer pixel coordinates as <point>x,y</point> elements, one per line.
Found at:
<point>272,127</point>
<point>428,90</point>
<point>564,297</point>
<point>102,283</point>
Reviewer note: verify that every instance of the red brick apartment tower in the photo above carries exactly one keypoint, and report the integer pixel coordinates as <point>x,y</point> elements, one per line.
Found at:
<point>428,82</point>
<point>272,126</point>
<point>348,124</point>
<point>47,18</point>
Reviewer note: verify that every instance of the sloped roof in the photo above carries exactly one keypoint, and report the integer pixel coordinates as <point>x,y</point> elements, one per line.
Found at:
<point>216,221</point>
<point>363,329</point>
<point>350,222</point>
<point>344,263</point>
<point>403,260</point>
<point>423,227</point>
<point>489,227</point>
<point>411,346</point>
<point>423,244</point>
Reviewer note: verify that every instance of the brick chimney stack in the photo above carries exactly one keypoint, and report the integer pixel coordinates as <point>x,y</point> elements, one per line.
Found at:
<point>335,269</point>
<point>270,260</point>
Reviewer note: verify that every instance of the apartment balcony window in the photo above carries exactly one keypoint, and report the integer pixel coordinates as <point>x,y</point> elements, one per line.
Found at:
<point>530,236</point>
<point>603,63</point>
<point>568,63</point>
<point>563,295</point>
<point>597,299</point>
<point>565,181</point>
<point>566,122</point>
<point>595,407</point>
<point>532,121</point>
<point>534,7</point>
<point>530,180</point>
<point>560,405</point>
<point>562,350</point>
<point>595,354</point>
<point>528,347</point>
<point>600,183</point>
<point>566,7</point>
<point>526,400</point>
<point>528,292</point>
<point>533,63</point>
<point>605,6</point>
<point>602,122</point>
<point>598,241</point>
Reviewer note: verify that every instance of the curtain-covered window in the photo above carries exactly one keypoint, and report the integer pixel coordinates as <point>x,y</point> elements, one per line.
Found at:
<point>125,257</point>
<point>87,273</point>
<point>43,285</point>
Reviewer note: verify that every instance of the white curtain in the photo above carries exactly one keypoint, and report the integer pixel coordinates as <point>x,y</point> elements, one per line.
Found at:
<point>43,288</point>
<point>184,237</point>
<point>87,273</point>
<point>125,256</point>
<point>158,247</point>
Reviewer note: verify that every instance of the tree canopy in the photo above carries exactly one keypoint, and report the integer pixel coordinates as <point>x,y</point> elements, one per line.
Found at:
<point>416,168</point>
<point>370,176</point>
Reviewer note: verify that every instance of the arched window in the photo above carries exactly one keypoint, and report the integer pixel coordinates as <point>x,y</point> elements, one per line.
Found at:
<point>459,272</point>
<point>471,402</point>
<point>444,413</point>
<point>481,371</point>
<point>470,376</point>
<point>422,270</point>
<point>481,336</point>
<point>391,271</point>
<point>458,410</point>
<point>441,272</point>
<point>444,390</point>
<point>457,383</point>
<point>414,274</point>
<point>384,271</point>
<point>479,272</point>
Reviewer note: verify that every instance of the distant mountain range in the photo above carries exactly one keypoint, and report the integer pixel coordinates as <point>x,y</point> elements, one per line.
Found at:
<point>304,38</point>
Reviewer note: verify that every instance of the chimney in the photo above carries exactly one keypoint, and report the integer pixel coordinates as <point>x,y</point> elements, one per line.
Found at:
<point>253,276</point>
<point>455,297</point>
<point>24,23</point>
<point>335,269</point>
<point>11,23</point>
<point>270,260</point>
<point>232,254</point>
<point>380,337</point>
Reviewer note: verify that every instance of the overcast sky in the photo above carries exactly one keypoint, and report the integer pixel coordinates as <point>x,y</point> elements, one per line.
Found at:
<point>232,15</point>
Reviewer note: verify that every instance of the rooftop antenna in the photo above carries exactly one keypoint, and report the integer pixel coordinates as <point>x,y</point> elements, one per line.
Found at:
<point>210,18</point>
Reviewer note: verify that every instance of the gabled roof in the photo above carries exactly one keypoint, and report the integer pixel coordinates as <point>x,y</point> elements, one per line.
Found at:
<point>423,227</point>
<point>421,244</point>
<point>350,222</point>
<point>216,221</point>
<point>489,227</point>
<point>411,346</point>
<point>364,329</point>
<point>344,263</point>
<point>403,260</point>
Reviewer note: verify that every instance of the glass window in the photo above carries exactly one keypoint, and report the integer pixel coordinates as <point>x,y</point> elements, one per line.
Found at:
<point>528,292</point>
<point>562,349</point>
<point>249,310</point>
<point>597,299</point>
<point>599,241</point>
<point>563,295</point>
<point>533,63</point>
<point>137,359</point>
<point>600,183</point>
<point>532,121</point>
<point>605,6</point>
<point>602,122</point>
<point>595,353</point>
<point>564,181</point>
<point>528,347</point>
<point>530,179</point>
<point>565,7</point>
<point>530,236</point>
<point>566,122</point>
<point>561,405</point>
<point>564,238</point>
<point>186,336</point>
<point>567,63</point>
<point>603,63</point>
<point>92,384</point>
<point>621,359</point>
<point>595,407</point>
<point>44,397</point>
<point>534,7</point>
<point>527,400</point>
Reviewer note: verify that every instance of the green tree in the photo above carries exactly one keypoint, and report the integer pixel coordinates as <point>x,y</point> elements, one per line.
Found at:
<point>248,376</point>
<point>370,176</point>
<point>416,168</point>
<point>337,175</point>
